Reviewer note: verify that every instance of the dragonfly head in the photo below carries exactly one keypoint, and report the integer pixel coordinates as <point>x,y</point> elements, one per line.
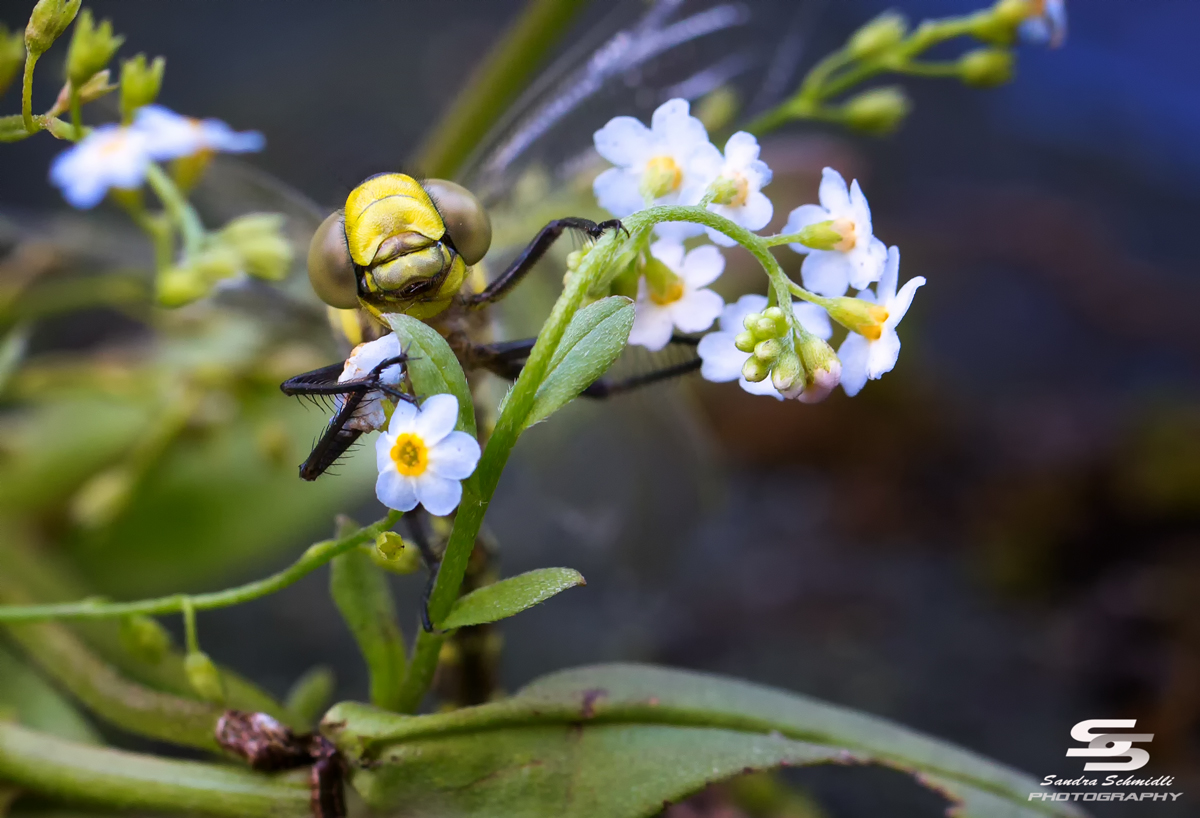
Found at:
<point>399,246</point>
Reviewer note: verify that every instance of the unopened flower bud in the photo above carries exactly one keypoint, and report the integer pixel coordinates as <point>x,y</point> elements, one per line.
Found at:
<point>822,370</point>
<point>986,67</point>
<point>788,373</point>
<point>177,286</point>
<point>821,235</point>
<point>396,554</point>
<point>48,20</point>
<point>755,370</point>
<point>768,350</point>
<point>91,48</point>
<point>858,315</point>
<point>145,638</point>
<point>203,676</point>
<point>140,83</point>
<point>745,341</point>
<point>726,190</point>
<point>102,498</point>
<point>258,239</point>
<point>878,35</point>
<point>778,318</point>
<point>91,91</point>
<point>717,108</point>
<point>217,261</point>
<point>878,111</point>
<point>12,55</point>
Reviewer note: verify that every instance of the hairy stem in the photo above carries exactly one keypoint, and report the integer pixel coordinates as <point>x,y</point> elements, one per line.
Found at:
<point>313,558</point>
<point>64,770</point>
<point>495,83</point>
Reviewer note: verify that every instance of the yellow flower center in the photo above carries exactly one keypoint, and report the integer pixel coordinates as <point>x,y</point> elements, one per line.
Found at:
<point>410,454</point>
<point>742,190</point>
<point>848,232</point>
<point>662,176</point>
<point>879,314</point>
<point>668,294</point>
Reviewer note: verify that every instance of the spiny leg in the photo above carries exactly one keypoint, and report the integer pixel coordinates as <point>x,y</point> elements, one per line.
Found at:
<point>537,248</point>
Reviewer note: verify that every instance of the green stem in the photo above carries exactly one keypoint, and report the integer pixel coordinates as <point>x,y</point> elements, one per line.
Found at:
<point>190,639</point>
<point>313,558</point>
<point>27,92</point>
<point>495,83</point>
<point>66,771</point>
<point>76,112</point>
<point>182,213</point>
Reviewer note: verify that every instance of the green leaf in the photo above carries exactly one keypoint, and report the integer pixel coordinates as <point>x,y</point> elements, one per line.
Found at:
<point>617,741</point>
<point>361,593</point>
<point>38,705</point>
<point>12,128</point>
<point>510,596</point>
<point>592,341</point>
<point>434,368</point>
<point>310,694</point>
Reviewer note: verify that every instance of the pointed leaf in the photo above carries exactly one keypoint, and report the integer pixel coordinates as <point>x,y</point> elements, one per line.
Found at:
<point>593,340</point>
<point>510,596</point>
<point>618,741</point>
<point>433,366</point>
<point>361,593</point>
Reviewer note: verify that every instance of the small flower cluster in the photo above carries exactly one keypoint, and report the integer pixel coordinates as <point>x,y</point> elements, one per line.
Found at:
<point>769,350</point>
<point>118,156</point>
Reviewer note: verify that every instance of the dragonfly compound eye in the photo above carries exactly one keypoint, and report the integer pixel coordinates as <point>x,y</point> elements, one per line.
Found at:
<point>330,268</point>
<point>466,221</point>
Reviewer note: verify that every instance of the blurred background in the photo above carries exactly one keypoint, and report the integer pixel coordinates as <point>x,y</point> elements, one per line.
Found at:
<point>992,543</point>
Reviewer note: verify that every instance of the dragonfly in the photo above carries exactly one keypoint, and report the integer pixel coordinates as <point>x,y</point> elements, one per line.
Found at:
<point>402,244</point>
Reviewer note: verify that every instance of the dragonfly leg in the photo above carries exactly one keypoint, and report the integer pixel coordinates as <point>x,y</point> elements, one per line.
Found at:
<point>537,248</point>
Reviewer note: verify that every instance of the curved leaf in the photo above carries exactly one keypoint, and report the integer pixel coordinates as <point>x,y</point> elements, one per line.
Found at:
<point>433,366</point>
<point>360,591</point>
<point>592,341</point>
<point>617,741</point>
<point>507,597</point>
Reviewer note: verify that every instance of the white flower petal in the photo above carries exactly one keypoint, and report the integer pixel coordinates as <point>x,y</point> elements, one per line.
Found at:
<point>396,491</point>
<point>756,213</point>
<point>826,272</point>
<point>721,361</point>
<point>438,416</point>
<point>616,190</point>
<point>834,195</point>
<point>404,418</point>
<point>672,122</point>
<point>455,457</point>
<point>860,211</point>
<point>734,314</point>
<point>670,253</point>
<point>439,495</point>
<point>886,291</point>
<point>624,141</point>
<point>853,354</point>
<point>383,452</point>
<point>716,236</point>
<point>814,319</point>
<point>652,326</point>
<point>903,300</point>
<point>882,354</point>
<point>868,261</point>
<point>696,310</point>
<point>741,150</point>
<point>701,266</point>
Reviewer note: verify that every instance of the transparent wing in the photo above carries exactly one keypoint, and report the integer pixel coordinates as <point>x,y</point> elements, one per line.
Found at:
<point>636,58</point>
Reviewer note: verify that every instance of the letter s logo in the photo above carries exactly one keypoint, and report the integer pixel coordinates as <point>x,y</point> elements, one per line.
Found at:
<point>1110,745</point>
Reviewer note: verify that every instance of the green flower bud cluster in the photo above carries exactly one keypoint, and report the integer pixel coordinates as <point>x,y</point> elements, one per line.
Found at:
<point>878,36</point>
<point>253,243</point>
<point>91,48</point>
<point>396,554</point>
<point>762,338</point>
<point>986,67</point>
<point>878,111</point>
<point>204,677</point>
<point>48,20</point>
<point>140,83</point>
<point>12,55</point>
<point>145,638</point>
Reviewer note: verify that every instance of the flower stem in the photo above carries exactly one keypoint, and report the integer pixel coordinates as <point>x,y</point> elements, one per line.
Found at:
<point>76,112</point>
<point>125,781</point>
<point>27,92</point>
<point>313,558</point>
<point>182,213</point>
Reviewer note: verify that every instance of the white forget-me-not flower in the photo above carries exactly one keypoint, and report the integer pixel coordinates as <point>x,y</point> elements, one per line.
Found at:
<point>684,302</point>
<point>739,187</point>
<point>421,459</point>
